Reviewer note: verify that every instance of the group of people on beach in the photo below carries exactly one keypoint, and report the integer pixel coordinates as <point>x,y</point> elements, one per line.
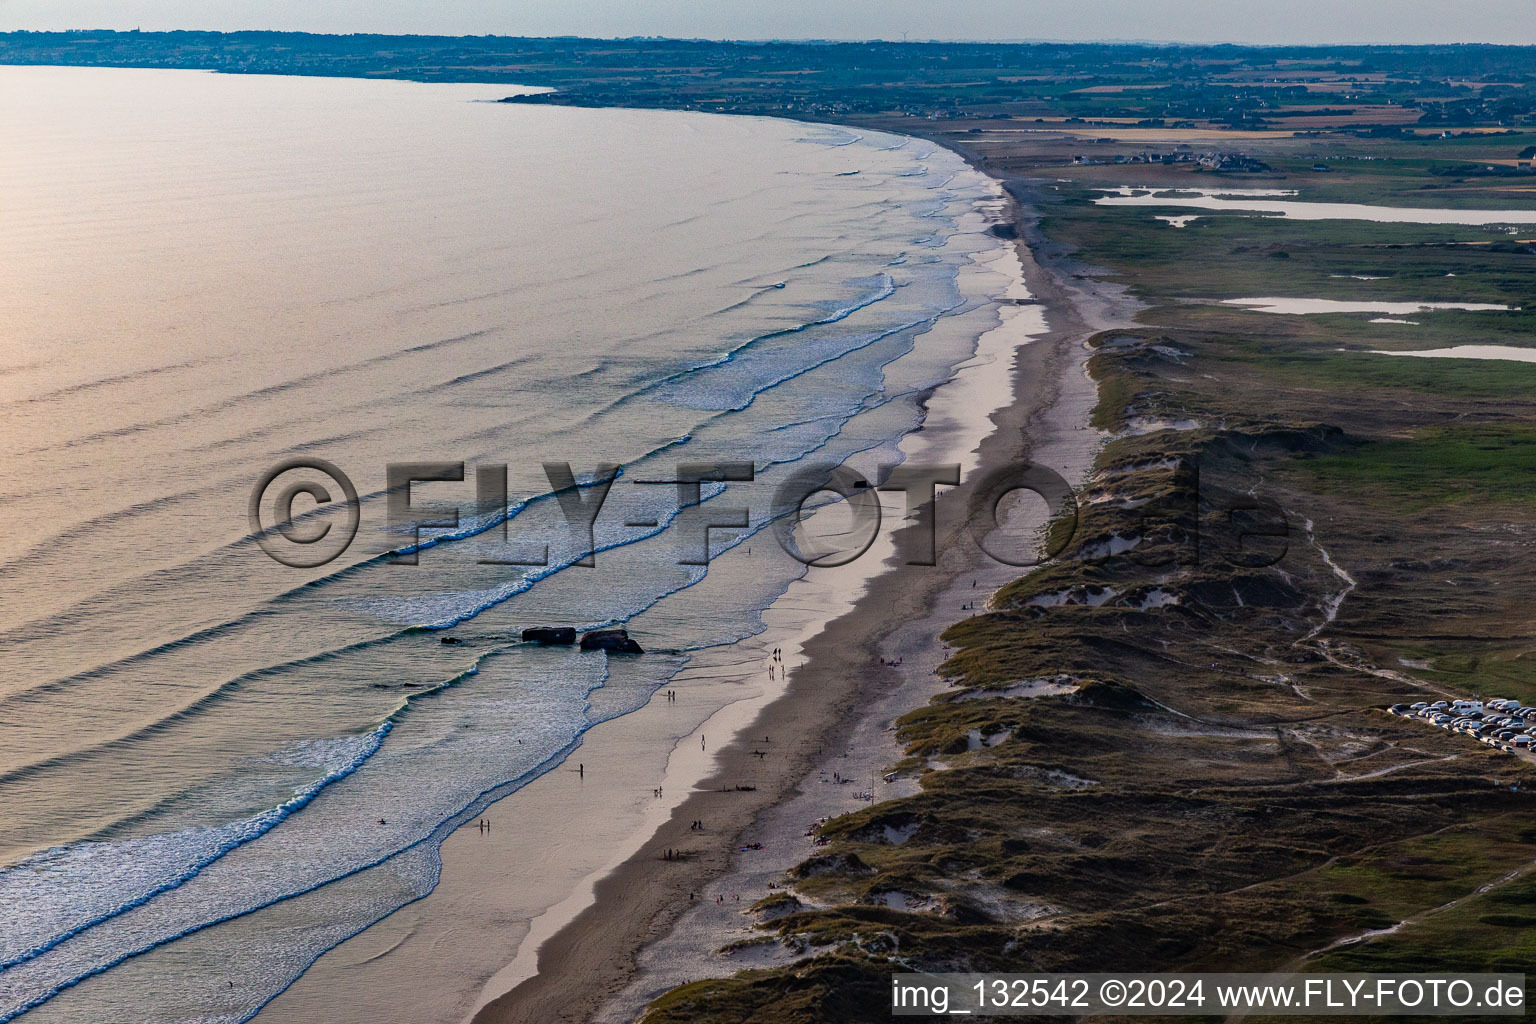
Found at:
<point>777,658</point>
<point>672,696</point>
<point>485,825</point>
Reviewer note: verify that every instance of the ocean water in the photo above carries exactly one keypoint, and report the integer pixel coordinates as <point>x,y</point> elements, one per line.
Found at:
<point>214,767</point>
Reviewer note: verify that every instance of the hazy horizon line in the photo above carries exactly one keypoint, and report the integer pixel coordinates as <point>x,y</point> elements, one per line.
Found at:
<point>802,40</point>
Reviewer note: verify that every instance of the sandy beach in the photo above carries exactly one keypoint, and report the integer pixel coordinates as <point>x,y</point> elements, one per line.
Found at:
<point>652,923</point>
<point>247,777</point>
<point>572,870</point>
<point>615,920</point>
<point>1045,423</point>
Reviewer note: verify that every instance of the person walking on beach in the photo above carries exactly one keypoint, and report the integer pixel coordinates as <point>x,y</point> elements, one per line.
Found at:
<point>581,770</point>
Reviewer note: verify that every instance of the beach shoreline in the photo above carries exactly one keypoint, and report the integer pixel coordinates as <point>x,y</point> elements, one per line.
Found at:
<point>590,951</point>
<point>575,827</point>
<point>651,922</point>
<point>588,894</point>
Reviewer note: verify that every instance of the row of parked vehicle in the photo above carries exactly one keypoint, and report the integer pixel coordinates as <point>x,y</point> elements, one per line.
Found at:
<point>1501,723</point>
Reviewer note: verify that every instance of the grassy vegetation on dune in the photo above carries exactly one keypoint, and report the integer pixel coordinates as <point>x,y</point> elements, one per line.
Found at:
<point>1459,378</point>
<point>1492,930</point>
<point>1221,791</point>
<point>1486,669</point>
<point>1220,788</point>
<point>1231,255</point>
<point>1478,463</point>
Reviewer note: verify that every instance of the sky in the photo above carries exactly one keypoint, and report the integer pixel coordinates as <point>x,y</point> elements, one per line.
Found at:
<point>1255,21</point>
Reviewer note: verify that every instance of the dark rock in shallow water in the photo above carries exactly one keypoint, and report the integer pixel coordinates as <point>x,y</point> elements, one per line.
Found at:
<point>616,640</point>
<point>451,640</point>
<point>560,635</point>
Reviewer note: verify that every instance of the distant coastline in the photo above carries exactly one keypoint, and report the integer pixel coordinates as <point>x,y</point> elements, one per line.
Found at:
<point>1260,401</point>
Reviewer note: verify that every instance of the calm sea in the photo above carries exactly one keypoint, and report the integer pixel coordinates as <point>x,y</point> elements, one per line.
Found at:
<point>222,766</point>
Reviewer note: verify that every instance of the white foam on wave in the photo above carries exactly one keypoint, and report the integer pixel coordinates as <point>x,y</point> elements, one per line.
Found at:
<point>61,892</point>
<point>437,763</point>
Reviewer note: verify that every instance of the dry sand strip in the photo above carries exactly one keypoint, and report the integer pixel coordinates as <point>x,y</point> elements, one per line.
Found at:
<point>839,701</point>
<point>516,886</point>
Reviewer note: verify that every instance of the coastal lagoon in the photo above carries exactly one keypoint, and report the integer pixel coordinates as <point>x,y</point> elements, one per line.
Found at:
<point>1256,201</point>
<point>216,767</point>
<point>1511,353</point>
<point>1305,307</point>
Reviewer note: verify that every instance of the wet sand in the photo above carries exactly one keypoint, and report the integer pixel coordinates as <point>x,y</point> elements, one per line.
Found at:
<point>1046,423</point>
<point>655,922</point>
<point>572,870</point>
<point>572,881</point>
